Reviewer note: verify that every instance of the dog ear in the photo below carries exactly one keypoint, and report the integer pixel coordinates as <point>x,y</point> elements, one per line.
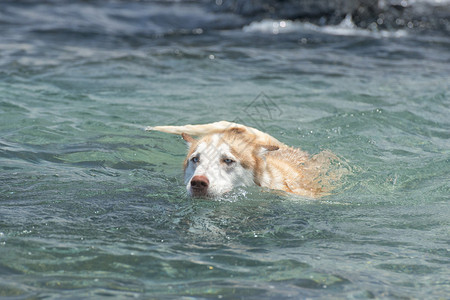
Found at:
<point>267,148</point>
<point>189,139</point>
<point>237,130</point>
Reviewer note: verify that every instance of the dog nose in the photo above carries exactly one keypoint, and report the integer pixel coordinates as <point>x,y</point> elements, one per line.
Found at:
<point>199,184</point>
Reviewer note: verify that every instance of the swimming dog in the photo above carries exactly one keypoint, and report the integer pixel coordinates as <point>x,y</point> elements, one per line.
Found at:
<point>227,155</point>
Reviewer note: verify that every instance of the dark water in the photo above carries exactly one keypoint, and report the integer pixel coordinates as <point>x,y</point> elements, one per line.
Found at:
<point>92,206</point>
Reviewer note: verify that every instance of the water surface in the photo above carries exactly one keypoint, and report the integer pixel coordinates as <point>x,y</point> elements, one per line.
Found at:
<point>91,205</point>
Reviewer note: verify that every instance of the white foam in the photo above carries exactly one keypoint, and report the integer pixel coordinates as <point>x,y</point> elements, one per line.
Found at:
<point>345,28</point>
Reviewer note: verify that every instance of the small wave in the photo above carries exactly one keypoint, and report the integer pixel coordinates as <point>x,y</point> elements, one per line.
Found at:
<point>345,28</point>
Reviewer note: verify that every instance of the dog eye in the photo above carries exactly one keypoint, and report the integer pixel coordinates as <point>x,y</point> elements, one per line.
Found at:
<point>228,161</point>
<point>195,159</point>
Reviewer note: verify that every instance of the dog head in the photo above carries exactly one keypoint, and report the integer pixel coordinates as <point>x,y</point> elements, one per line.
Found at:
<point>218,162</point>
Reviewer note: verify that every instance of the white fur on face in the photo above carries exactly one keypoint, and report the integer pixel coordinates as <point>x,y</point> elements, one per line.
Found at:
<point>211,163</point>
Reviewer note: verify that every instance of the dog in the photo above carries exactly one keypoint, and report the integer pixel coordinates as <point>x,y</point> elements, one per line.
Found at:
<point>227,155</point>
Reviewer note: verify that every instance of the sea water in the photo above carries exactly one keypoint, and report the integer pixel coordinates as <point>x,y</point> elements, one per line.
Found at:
<point>92,206</point>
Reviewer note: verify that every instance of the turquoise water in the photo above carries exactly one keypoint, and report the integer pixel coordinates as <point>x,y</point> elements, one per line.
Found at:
<point>91,205</point>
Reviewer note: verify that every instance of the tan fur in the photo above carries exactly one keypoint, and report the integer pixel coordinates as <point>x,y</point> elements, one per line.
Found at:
<point>274,165</point>
<point>205,129</point>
